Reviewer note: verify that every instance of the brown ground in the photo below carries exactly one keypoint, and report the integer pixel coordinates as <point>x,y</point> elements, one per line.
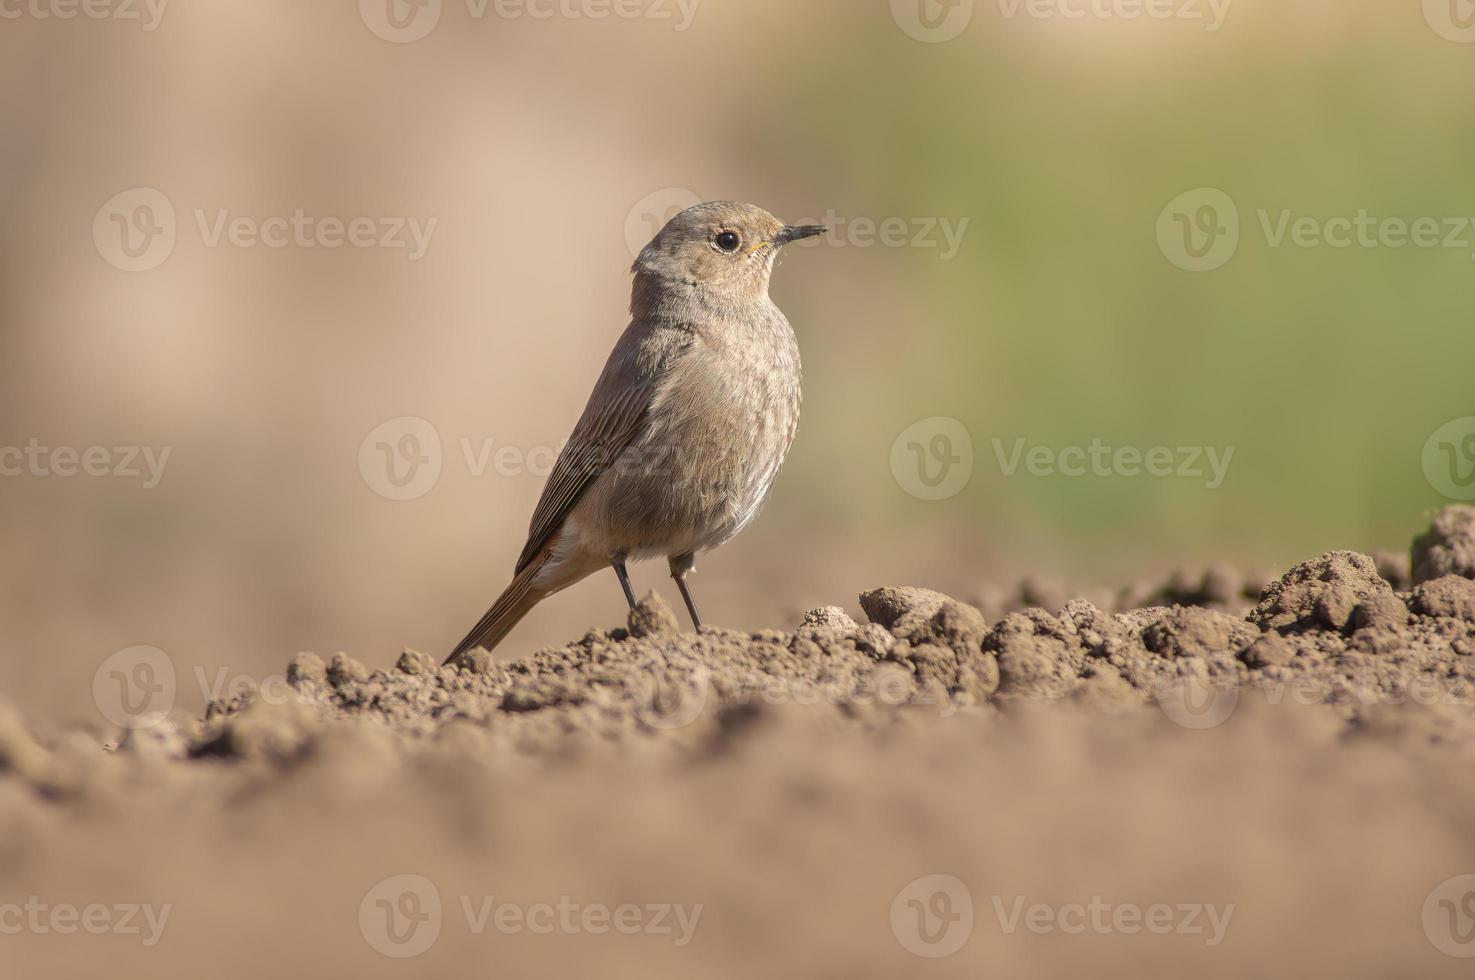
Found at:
<point>1304,760</point>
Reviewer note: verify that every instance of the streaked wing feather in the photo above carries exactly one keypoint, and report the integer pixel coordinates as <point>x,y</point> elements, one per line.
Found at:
<point>614,418</point>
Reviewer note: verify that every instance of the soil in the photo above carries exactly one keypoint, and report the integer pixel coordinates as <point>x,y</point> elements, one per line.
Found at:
<point>1295,747</point>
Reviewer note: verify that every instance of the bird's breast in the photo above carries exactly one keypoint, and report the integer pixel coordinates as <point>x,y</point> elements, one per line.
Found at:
<point>715,438</point>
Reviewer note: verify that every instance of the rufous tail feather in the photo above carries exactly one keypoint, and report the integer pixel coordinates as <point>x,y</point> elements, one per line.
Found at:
<point>513,604</point>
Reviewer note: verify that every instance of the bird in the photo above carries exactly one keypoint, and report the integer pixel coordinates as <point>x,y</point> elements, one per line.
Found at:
<point>688,424</point>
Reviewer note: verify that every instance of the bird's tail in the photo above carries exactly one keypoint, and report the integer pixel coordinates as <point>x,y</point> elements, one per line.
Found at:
<point>514,603</point>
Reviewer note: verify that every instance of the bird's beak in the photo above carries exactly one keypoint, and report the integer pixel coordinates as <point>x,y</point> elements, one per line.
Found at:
<point>794,233</point>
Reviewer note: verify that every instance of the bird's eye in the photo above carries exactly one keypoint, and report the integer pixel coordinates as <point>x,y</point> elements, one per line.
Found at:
<point>729,241</point>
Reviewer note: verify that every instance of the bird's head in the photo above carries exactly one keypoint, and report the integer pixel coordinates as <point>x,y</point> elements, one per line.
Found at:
<point>721,247</point>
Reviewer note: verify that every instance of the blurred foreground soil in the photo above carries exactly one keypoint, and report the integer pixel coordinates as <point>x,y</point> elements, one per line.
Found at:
<point>1202,783</point>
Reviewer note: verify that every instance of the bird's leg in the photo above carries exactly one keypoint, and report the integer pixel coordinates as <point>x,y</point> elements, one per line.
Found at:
<point>618,561</point>
<point>681,566</point>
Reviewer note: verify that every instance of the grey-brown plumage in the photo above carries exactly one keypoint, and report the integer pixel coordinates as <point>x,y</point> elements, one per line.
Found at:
<point>688,424</point>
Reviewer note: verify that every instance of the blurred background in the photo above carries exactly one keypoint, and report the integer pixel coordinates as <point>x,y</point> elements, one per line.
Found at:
<point>298,300</point>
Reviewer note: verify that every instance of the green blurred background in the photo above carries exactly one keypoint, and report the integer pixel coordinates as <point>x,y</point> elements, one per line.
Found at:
<point>536,143</point>
<point>1061,320</point>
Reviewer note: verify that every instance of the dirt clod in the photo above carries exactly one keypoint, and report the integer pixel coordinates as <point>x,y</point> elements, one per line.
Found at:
<point>307,668</point>
<point>1448,547</point>
<point>1319,593</point>
<point>831,617</point>
<point>960,626</point>
<point>1452,596</point>
<point>1269,650</point>
<point>652,616</point>
<point>1196,632</point>
<point>904,611</point>
<point>1385,611</point>
<point>415,663</point>
<point>343,670</point>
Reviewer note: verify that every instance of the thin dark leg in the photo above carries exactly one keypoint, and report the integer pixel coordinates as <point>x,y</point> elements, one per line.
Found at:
<point>691,605</point>
<point>681,566</point>
<point>619,566</point>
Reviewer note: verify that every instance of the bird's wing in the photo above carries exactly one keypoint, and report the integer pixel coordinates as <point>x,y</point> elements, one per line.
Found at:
<point>616,415</point>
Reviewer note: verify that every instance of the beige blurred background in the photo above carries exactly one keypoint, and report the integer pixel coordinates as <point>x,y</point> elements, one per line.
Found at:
<point>541,148</point>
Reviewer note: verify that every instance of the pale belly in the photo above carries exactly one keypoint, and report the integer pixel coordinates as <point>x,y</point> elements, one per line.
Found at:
<point>699,474</point>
